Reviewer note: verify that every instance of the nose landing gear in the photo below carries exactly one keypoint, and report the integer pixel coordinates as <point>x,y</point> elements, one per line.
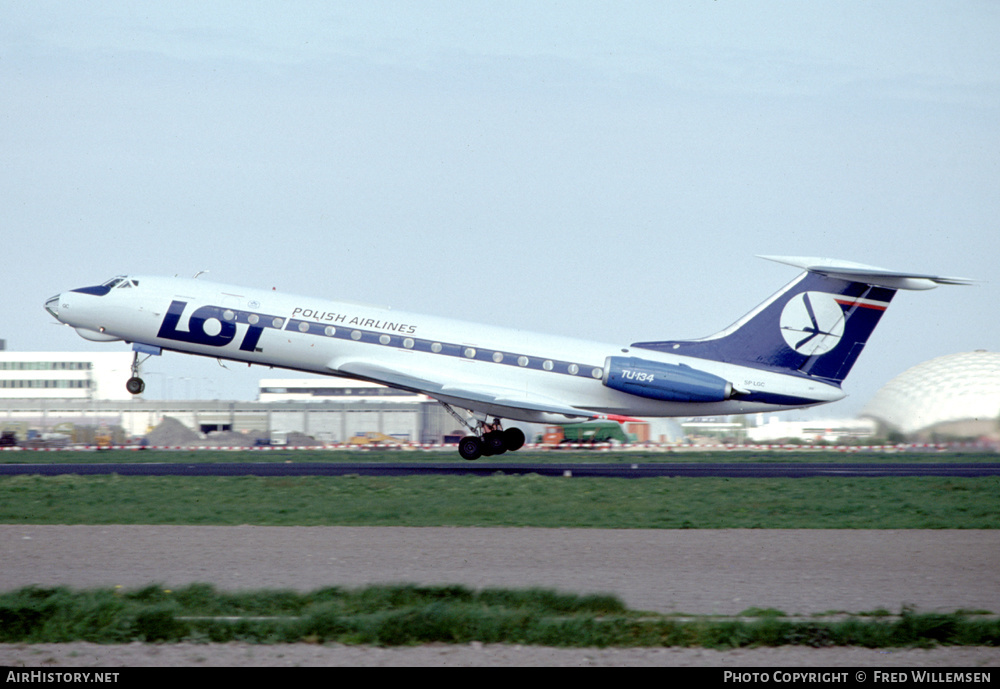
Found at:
<point>135,385</point>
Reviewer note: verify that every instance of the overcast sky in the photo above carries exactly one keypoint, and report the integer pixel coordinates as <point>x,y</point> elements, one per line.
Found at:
<point>604,170</point>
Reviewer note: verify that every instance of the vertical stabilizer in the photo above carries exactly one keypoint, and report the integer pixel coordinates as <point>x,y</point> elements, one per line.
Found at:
<point>816,325</point>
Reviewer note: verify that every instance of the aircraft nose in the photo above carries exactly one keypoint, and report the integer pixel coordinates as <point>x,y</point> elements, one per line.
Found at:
<point>52,306</point>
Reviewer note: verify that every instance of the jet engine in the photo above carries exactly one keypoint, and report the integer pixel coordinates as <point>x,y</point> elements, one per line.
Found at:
<point>660,381</point>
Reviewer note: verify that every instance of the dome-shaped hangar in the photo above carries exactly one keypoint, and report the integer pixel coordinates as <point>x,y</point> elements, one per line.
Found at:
<point>957,394</point>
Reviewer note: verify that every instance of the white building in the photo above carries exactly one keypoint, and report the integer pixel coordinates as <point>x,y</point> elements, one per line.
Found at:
<point>65,375</point>
<point>332,389</point>
<point>956,395</point>
<point>825,430</point>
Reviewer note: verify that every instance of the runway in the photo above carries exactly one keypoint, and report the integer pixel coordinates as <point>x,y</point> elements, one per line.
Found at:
<point>799,571</point>
<point>577,469</point>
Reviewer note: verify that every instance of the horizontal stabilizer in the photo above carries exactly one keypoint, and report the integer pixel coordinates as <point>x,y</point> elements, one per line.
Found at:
<point>870,275</point>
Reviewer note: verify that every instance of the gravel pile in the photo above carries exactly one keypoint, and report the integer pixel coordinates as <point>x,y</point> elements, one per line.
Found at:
<point>171,432</point>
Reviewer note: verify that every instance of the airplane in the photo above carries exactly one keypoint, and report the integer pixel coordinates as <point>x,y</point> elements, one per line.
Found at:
<point>792,351</point>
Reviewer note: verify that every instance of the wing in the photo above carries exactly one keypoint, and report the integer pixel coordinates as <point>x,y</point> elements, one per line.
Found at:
<point>487,399</point>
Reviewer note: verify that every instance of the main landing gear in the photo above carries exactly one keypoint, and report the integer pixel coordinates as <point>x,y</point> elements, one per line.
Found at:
<point>491,440</point>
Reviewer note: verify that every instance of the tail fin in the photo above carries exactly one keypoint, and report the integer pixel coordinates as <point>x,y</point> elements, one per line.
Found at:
<point>816,325</point>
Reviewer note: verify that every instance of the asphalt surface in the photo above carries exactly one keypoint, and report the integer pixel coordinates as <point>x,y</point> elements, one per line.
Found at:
<point>696,571</point>
<point>579,469</point>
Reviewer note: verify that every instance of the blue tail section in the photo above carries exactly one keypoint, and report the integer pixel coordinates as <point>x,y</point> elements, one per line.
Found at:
<point>815,326</point>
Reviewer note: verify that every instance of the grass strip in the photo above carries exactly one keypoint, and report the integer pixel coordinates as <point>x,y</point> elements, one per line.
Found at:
<point>409,615</point>
<point>498,500</point>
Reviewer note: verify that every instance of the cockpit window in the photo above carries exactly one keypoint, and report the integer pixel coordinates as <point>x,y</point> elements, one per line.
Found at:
<point>118,282</point>
<point>121,282</point>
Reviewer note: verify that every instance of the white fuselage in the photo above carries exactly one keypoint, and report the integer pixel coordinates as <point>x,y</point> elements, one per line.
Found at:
<point>341,338</point>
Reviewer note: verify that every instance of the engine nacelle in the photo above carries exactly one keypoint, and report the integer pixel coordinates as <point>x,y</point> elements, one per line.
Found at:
<point>668,382</point>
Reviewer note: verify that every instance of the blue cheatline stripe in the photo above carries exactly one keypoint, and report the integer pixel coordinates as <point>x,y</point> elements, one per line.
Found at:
<point>263,322</point>
<point>457,351</point>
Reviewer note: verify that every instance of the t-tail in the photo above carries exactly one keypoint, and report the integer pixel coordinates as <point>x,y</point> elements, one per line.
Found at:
<point>815,326</point>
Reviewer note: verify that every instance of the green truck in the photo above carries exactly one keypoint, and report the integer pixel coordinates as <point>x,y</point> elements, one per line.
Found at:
<point>591,432</point>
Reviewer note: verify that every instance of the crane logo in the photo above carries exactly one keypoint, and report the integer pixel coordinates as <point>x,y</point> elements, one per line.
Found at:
<point>812,323</point>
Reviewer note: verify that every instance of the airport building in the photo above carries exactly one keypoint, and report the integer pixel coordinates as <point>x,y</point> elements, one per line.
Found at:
<point>64,375</point>
<point>953,396</point>
<point>332,389</point>
<point>324,422</point>
<point>776,430</point>
<point>68,392</point>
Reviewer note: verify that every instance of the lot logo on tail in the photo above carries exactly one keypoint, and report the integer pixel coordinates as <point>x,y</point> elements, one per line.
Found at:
<point>812,323</point>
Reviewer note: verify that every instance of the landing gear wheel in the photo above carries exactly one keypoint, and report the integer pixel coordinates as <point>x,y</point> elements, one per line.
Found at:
<point>135,385</point>
<point>513,439</point>
<point>494,442</point>
<point>470,447</point>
